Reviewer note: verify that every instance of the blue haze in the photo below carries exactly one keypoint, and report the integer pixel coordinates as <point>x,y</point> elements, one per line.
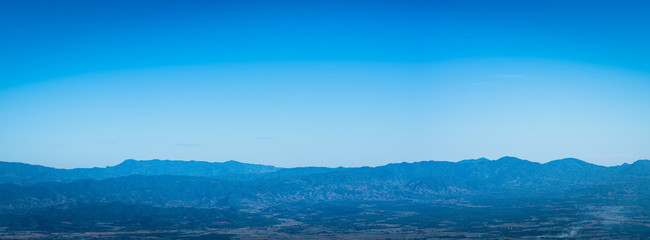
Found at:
<point>90,83</point>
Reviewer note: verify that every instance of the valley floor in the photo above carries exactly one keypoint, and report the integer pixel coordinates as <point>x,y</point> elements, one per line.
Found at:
<point>404,220</point>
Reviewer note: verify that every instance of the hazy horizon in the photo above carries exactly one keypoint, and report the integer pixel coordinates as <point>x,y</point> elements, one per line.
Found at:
<point>350,166</point>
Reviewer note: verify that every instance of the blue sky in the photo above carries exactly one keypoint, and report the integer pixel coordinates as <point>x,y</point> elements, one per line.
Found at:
<point>329,83</point>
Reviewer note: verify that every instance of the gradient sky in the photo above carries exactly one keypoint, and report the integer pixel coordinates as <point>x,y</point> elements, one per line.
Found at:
<point>328,83</point>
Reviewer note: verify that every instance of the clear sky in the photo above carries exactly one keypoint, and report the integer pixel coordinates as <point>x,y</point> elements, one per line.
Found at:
<point>323,83</point>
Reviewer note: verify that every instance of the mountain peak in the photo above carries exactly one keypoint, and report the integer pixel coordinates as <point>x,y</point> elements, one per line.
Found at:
<point>127,162</point>
<point>511,159</point>
<point>644,165</point>
<point>569,161</point>
<point>233,162</point>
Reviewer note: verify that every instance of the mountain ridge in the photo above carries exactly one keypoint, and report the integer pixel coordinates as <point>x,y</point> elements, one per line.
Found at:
<point>151,194</point>
<point>23,173</point>
<point>238,162</point>
<point>205,184</point>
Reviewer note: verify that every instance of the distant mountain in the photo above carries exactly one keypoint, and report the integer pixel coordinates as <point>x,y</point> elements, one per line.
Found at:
<point>22,173</point>
<point>479,198</point>
<point>208,185</point>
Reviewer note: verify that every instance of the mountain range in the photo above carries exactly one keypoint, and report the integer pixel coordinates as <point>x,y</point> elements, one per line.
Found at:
<point>160,189</point>
<point>568,169</point>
